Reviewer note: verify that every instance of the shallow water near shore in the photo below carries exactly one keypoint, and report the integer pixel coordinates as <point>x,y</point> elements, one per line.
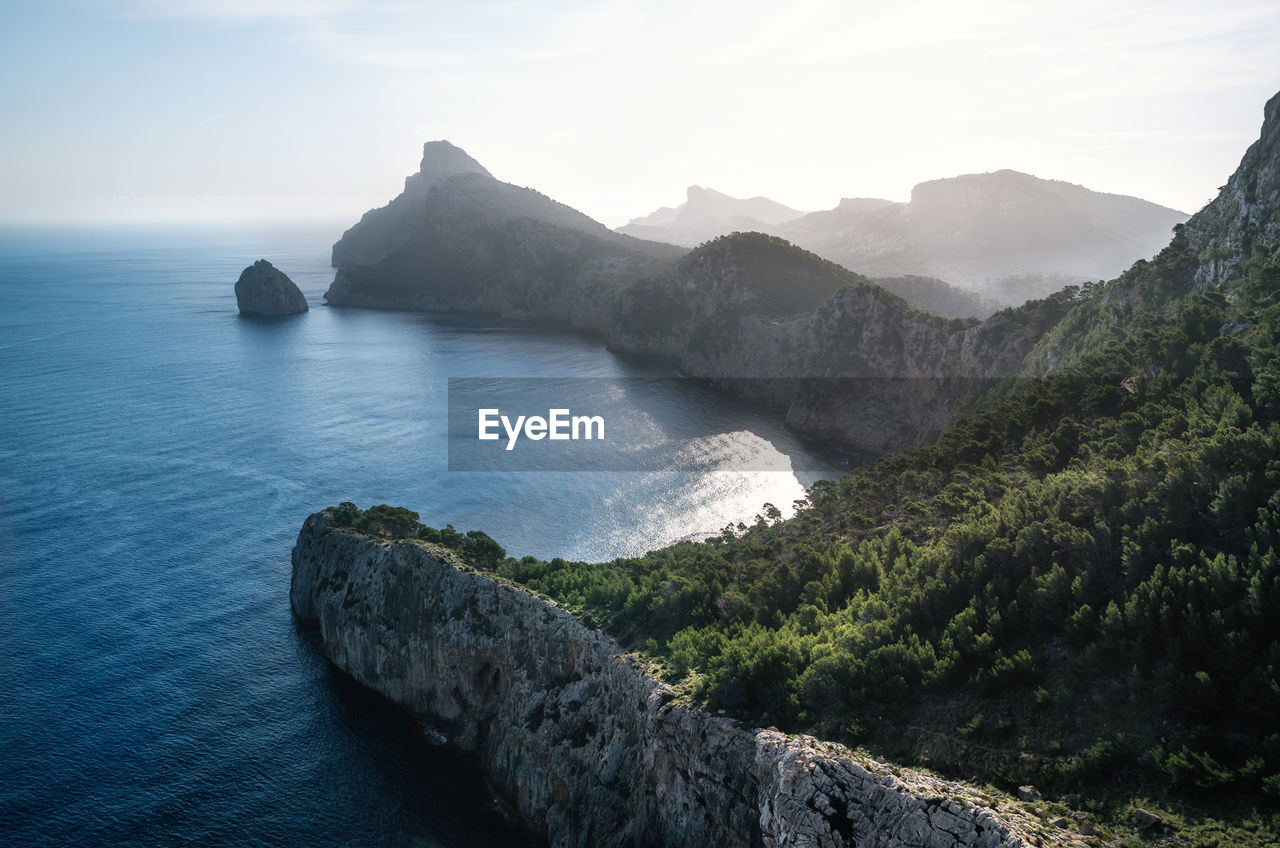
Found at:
<point>158,455</point>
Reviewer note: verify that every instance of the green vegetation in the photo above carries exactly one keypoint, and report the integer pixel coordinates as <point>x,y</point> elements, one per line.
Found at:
<point>1077,586</point>
<point>751,273</point>
<point>397,523</point>
<point>941,298</point>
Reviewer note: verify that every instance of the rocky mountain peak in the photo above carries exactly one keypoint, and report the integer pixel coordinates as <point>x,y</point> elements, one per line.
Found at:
<point>440,161</point>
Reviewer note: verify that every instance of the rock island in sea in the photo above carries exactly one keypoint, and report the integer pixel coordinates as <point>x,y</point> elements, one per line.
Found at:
<point>265,291</point>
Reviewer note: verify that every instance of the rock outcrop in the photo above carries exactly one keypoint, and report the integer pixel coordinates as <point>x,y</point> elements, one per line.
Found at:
<point>264,290</point>
<point>1245,216</point>
<point>590,749</point>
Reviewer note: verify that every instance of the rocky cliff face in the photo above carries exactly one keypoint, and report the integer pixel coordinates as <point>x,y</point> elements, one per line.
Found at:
<point>588,747</point>
<point>265,291</point>
<point>1246,214</point>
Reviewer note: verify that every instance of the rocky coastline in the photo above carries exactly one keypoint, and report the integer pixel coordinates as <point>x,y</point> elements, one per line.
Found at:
<point>586,745</point>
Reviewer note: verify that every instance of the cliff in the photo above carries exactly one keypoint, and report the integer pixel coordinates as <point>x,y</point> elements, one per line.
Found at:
<point>589,748</point>
<point>1245,216</point>
<point>748,312</point>
<point>265,291</point>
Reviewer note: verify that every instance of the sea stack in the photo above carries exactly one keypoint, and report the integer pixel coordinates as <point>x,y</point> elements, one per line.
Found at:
<point>265,291</point>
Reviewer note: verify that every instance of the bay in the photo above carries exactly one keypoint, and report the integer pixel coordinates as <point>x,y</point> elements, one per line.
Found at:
<point>158,455</point>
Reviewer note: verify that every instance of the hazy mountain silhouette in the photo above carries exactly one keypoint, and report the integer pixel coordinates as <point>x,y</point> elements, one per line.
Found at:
<point>1006,235</point>
<point>707,213</point>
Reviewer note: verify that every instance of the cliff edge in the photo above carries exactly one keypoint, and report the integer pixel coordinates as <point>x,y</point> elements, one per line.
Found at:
<point>589,748</point>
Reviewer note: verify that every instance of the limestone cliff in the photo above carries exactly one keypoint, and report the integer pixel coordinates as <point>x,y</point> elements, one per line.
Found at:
<point>587,746</point>
<point>1245,216</point>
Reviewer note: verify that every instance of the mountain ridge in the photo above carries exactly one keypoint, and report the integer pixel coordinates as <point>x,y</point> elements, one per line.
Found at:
<point>1049,233</point>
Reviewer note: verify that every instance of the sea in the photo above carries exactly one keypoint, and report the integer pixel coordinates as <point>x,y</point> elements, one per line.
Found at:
<point>158,456</point>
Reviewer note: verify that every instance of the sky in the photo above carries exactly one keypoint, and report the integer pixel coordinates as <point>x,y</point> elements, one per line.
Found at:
<point>286,109</point>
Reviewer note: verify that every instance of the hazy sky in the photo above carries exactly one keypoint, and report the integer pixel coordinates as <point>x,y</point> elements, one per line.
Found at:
<point>230,108</point>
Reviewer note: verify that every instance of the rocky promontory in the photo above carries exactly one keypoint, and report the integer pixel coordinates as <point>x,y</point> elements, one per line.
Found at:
<point>264,290</point>
<point>588,747</point>
<point>458,239</point>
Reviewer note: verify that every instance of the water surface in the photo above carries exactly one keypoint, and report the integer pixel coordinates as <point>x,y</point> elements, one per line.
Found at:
<point>158,455</point>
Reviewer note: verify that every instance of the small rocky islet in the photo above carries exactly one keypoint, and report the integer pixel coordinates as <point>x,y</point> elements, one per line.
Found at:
<point>264,291</point>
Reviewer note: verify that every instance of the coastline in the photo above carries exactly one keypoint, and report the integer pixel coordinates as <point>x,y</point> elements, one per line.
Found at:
<point>583,742</point>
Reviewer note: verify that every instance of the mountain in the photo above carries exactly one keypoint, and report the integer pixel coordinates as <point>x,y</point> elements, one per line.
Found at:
<point>1006,235</point>
<point>977,230</point>
<point>1235,239</point>
<point>840,356</point>
<point>707,213</point>
<point>380,231</point>
<point>459,239</point>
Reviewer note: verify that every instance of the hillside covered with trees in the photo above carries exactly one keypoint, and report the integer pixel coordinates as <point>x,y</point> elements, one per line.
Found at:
<point>1076,586</point>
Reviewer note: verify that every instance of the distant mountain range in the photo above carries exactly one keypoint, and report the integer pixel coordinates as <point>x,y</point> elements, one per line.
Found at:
<point>1006,235</point>
<point>705,214</point>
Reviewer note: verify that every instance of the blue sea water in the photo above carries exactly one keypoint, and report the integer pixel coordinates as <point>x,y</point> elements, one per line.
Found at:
<point>158,455</point>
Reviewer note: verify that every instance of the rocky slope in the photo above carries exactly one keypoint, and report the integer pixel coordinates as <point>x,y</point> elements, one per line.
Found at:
<point>590,749</point>
<point>265,291</point>
<point>1240,226</point>
<point>1245,216</point>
